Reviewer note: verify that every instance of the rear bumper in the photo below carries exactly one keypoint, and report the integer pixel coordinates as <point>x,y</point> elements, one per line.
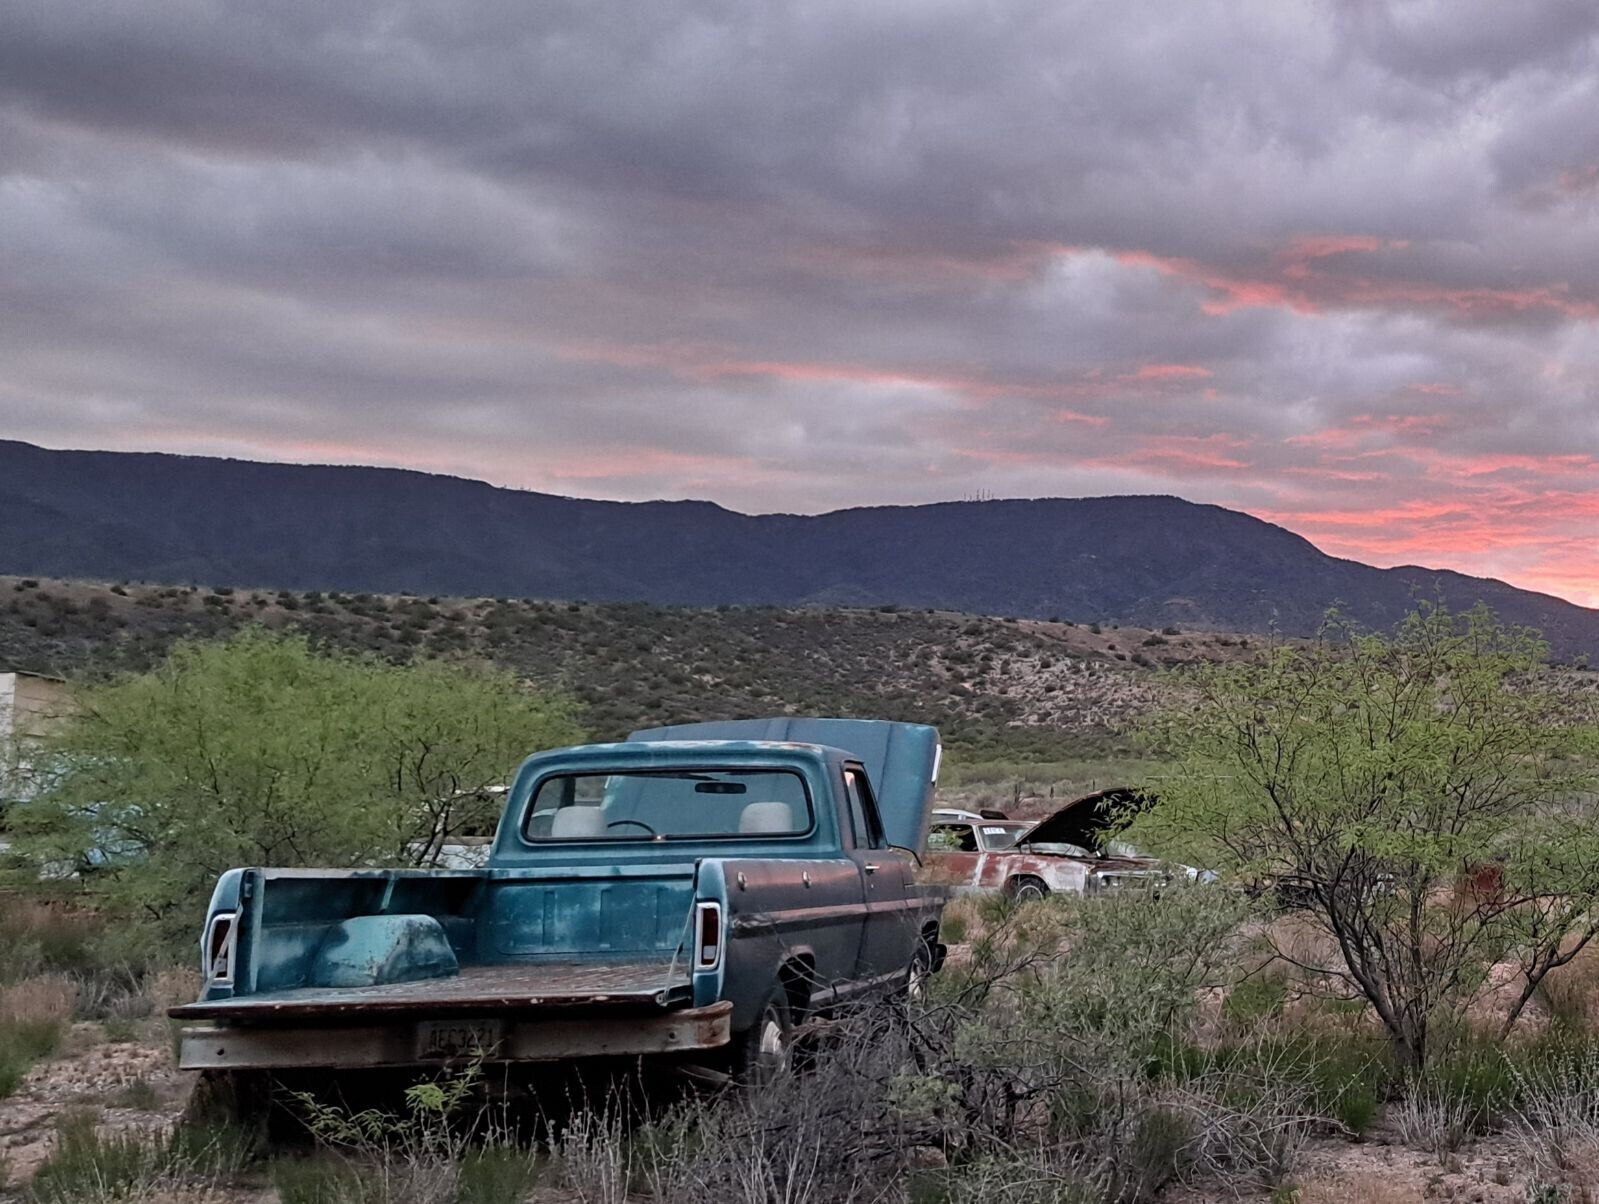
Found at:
<point>225,1047</point>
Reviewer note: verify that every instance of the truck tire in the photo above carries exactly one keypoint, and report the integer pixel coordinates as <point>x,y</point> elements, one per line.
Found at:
<point>1027,889</point>
<point>921,970</point>
<point>239,1099</point>
<point>764,1051</point>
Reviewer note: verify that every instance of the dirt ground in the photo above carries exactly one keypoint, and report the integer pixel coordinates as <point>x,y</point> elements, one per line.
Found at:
<point>1379,1170</point>
<point>130,1084</point>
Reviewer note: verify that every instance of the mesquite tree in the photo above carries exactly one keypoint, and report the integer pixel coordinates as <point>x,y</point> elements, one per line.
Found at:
<point>263,750</point>
<point>1423,797</point>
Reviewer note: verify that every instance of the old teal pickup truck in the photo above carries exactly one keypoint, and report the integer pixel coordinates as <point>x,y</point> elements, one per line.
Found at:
<point>702,888</point>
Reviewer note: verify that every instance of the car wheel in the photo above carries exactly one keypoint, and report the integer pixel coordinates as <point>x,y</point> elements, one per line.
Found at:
<point>1028,890</point>
<point>765,1051</point>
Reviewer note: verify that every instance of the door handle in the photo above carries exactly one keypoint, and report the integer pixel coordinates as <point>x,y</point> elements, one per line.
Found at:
<point>870,867</point>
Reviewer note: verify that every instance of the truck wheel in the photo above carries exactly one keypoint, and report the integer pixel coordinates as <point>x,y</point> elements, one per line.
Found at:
<point>230,1099</point>
<point>1027,890</point>
<point>921,970</point>
<point>763,1052</point>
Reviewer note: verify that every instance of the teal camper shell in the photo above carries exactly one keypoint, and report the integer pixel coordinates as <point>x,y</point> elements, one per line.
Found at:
<point>681,893</point>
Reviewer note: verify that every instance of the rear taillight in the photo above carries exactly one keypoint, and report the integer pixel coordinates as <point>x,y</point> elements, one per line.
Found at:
<point>707,936</point>
<point>220,943</point>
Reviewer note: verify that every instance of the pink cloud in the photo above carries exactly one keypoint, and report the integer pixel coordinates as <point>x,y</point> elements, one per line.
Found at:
<point>1169,455</point>
<point>701,364</point>
<point>1298,278</point>
<point>1366,429</point>
<point>1532,535</point>
<point>1163,372</point>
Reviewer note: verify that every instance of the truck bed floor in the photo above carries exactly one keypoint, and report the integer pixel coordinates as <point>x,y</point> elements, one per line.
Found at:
<point>475,988</point>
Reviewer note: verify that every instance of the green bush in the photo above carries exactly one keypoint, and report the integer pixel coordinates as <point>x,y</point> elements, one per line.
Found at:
<point>31,1039</point>
<point>13,1069</point>
<point>1255,998</point>
<point>86,1168</point>
<point>1473,1073</point>
<point>496,1174</point>
<point>318,1180</point>
<point>262,750</point>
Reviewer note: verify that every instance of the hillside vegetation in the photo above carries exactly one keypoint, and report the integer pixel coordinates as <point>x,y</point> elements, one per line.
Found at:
<point>999,689</point>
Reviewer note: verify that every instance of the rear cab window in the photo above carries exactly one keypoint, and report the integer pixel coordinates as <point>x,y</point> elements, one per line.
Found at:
<point>678,804</point>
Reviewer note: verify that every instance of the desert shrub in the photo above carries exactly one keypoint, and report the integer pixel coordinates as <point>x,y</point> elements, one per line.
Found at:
<point>1025,1179</point>
<point>40,938</point>
<point>1428,1118</point>
<point>1255,998</point>
<point>1473,1077</point>
<point>1338,1079</point>
<point>262,750</point>
<point>86,1166</point>
<point>1066,1034</point>
<point>1555,1121</point>
<point>1323,767</point>
<point>1570,993</point>
<point>840,1131</point>
<point>1351,1077</point>
<point>593,1162</point>
<point>13,1070</point>
<point>496,1174</point>
<point>33,1014</point>
<point>421,1153</point>
<point>317,1180</point>
<point>957,922</point>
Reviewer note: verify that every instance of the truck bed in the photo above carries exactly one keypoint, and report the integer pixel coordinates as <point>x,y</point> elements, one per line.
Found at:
<point>523,985</point>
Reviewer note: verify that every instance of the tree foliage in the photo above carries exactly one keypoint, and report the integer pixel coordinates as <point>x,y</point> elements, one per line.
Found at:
<point>1425,797</point>
<point>261,750</point>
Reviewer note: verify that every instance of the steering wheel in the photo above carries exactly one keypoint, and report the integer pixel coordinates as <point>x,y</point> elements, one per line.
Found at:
<point>617,823</point>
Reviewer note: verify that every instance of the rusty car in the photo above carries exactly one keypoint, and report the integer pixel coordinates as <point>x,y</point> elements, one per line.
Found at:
<point>1071,851</point>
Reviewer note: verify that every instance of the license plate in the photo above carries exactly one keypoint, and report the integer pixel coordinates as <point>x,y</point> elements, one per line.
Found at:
<point>458,1038</point>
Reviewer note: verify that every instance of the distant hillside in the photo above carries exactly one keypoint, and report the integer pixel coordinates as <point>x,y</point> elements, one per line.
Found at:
<point>1153,561</point>
<point>997,688</point>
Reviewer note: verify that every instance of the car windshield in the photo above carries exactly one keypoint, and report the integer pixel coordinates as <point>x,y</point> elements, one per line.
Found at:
<point>662,805</point>
<point>1002,836</point>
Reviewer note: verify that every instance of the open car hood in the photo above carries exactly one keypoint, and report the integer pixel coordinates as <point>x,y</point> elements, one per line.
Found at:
<point>1086,822</point>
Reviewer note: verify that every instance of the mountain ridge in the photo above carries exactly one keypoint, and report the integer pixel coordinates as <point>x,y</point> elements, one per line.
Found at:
<point>1149,559</point>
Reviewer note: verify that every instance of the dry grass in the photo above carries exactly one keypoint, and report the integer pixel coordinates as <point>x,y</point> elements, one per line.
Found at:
<point>172,987</point>
<point>33,1015</point>
<point>45,998</point>
<point>1571,993</point>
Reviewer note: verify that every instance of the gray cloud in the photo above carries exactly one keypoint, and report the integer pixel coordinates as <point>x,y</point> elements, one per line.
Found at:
<point>1323,261</point>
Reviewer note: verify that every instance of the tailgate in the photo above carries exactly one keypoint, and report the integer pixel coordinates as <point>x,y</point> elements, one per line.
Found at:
<point>496,988</point>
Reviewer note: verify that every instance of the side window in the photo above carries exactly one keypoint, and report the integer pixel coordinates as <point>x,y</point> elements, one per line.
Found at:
<point>862,810</point>
<point>952,838</point>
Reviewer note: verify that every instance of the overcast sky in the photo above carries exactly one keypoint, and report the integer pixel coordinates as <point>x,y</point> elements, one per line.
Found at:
<point>1335,264</point>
